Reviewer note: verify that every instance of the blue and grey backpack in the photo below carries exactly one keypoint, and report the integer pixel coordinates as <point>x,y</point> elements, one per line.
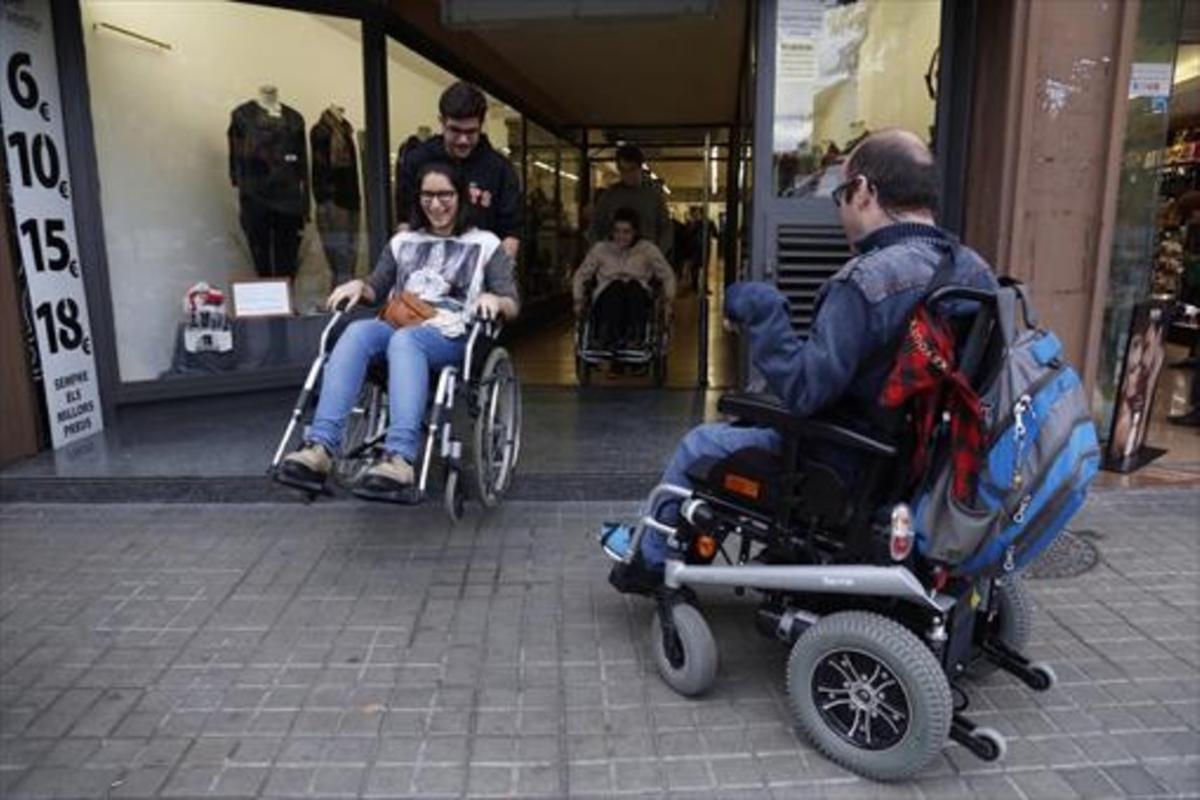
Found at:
<point>1040,453</point>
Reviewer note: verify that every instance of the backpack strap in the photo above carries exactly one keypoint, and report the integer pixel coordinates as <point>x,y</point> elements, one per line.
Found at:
<point>1022,296</point>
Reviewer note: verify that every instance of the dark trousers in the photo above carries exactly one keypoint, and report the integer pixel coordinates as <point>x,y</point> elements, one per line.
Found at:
<point>620,312</point>
<point>274,239</point>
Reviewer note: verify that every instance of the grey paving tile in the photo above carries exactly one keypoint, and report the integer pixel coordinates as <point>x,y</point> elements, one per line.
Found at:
<point>314,653</point>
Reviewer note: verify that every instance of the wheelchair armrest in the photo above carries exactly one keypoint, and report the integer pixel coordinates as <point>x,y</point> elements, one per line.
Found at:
<point>765,410</point>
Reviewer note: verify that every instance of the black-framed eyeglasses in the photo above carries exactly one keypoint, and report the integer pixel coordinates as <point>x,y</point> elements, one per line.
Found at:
<point>842,192</point>
<point>442,197</point>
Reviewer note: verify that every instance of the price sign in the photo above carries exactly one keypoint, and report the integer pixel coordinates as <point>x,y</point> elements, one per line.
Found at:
<point>34,150</point>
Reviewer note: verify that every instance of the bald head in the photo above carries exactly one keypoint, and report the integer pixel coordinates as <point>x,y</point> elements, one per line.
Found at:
<point>901,169</point>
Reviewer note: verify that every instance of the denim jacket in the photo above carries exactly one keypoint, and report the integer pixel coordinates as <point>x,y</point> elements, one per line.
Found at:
<point>860,312</point>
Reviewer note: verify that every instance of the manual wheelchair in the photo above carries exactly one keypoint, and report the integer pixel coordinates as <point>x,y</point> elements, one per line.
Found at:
<point>484,388</point>
<point>647,351</point>
<point>879,635</point>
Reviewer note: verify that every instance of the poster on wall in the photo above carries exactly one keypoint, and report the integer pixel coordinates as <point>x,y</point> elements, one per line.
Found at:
<point>35,154</point>
<point>1144,354</point>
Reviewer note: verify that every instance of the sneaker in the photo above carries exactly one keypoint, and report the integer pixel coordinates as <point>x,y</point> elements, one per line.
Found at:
<point>616,540</point>
<point>312,460</point>
<point>390,468</point>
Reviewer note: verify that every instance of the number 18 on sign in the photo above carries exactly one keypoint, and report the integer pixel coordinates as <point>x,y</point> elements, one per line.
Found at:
<point>35,155</point>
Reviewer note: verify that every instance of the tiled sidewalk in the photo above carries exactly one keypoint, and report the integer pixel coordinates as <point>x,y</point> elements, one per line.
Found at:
<point>363,651</point>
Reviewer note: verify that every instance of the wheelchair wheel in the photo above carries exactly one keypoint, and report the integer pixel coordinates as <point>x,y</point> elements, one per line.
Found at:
<point>1009,618</point>
<point>453,498</point>
<point>366,422</point>
<point>497,427</point>
<point>688,663</point>
<point>870,695</point>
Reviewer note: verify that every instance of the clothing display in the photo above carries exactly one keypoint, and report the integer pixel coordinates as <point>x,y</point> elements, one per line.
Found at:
<point>335,189</point>
<point>268,163</point>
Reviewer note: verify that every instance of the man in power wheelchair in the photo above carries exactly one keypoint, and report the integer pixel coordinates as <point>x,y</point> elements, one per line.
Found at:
<point>447,286</point>
<point>809,488</point>
<point>623,292</point>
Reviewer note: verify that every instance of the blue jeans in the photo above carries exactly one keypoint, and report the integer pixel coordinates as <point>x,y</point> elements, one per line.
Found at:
<point>713,440</point>
<point>411,354</point>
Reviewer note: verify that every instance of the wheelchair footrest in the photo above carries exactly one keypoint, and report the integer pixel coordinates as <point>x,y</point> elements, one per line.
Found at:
<point>986,743</point>
<point>1035,675</point>
<point>305,481</point>
<point>403,495</point>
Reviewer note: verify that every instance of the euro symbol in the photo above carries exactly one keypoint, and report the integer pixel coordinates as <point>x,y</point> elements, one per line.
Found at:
<point>74,268</point>
<point>44,111</point>
<point>64,190</point>
<point>87,345</point>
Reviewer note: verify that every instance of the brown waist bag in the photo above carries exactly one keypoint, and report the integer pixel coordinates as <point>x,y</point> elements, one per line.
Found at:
<point>404,309</point>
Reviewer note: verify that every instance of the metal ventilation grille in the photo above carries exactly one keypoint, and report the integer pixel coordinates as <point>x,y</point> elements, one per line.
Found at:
<point>807,256</point>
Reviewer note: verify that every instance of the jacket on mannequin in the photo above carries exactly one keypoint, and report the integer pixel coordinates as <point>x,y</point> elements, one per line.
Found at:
<point>334,161</point>
<point>268,158</point>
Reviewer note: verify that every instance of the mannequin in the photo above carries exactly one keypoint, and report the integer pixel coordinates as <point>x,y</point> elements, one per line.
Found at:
<point>268,98</point>
<point>336,191</point>
<point>268,163</point>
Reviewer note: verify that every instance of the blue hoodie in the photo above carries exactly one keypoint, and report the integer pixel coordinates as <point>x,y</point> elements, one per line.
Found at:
<point>859,311</point>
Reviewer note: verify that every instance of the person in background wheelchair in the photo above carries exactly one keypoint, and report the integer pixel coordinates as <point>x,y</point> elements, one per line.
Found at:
<point>887,207</point>
<point>622,269</point>
<point>445,273</point>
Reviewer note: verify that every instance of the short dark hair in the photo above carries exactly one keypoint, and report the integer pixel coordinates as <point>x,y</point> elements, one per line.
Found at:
<point>903,172</point>
<point>629,216</point>
<point>463,101</point>
<point>417,218</point>
<point>631,152</point>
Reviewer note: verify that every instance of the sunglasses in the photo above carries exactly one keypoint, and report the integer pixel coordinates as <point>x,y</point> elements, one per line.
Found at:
<point>843,192</point>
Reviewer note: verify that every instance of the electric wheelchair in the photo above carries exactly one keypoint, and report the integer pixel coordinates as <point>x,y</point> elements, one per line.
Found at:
<point>645,351</point>
<point>484,389</point>
<point>880,637</point>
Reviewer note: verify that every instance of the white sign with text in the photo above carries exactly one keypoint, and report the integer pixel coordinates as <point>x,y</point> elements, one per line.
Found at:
<point>36,156</point>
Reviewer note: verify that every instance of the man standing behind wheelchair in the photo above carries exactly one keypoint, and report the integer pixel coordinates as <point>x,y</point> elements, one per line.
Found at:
<point>435,276</point>
<point>622,269</point>
<point>887,206</point>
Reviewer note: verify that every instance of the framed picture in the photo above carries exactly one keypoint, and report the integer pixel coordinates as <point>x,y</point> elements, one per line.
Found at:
<point>1145,352</point>
<point>268,297</point>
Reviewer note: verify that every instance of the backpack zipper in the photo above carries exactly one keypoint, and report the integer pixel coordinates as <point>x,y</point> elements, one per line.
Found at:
<point>1023,406</point>
<point>1031,391</point>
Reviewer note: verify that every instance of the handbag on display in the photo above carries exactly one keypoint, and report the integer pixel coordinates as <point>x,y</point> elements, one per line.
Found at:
<point>405,309</point>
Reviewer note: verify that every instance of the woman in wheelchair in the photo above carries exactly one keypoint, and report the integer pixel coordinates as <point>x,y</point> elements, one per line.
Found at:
<point>622,270</point>
<point>434,277</point>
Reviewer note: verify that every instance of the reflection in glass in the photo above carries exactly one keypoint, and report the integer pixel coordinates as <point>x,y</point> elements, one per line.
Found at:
<point>844,69</point>
<point>222,160</point>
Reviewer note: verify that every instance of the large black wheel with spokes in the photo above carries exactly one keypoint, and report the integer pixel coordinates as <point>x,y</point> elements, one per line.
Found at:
<point>870,695</point>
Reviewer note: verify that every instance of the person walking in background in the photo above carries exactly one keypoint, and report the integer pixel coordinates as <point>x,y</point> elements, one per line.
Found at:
<point>633,192</point>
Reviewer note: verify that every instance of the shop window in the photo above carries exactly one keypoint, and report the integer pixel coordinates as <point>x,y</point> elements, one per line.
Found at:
<point>1154,235</point>
<point>550,249</point>
<point>229,148</point>
<point>845,68</point>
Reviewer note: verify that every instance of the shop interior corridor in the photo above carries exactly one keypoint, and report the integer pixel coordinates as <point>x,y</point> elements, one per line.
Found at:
<point>545,348</point>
